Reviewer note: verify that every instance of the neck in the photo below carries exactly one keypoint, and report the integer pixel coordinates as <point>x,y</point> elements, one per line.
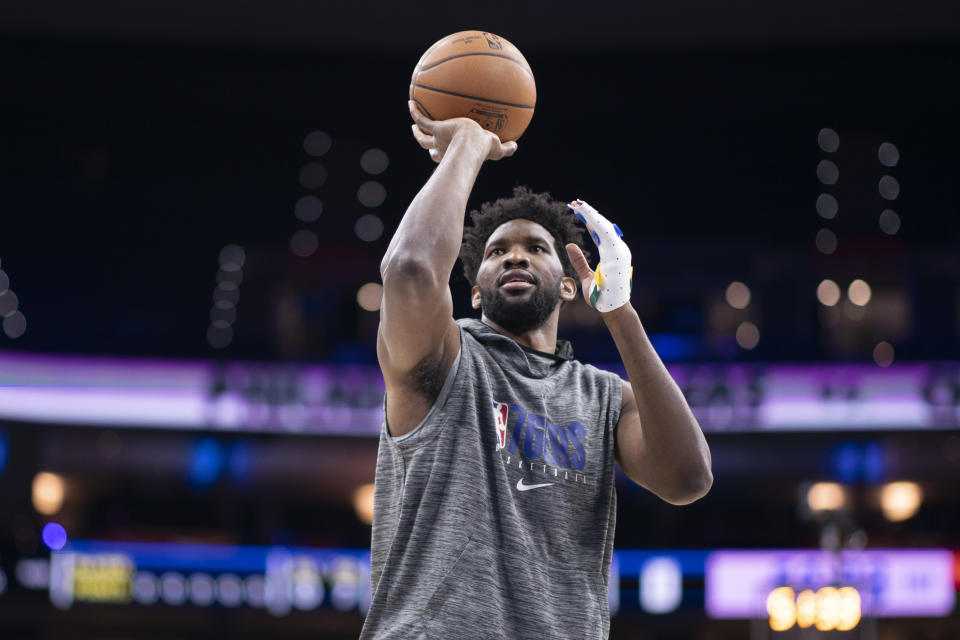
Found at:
<point>543,338</point>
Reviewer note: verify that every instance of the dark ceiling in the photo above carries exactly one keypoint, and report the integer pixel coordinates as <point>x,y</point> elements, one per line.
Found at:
<point>559,26</point>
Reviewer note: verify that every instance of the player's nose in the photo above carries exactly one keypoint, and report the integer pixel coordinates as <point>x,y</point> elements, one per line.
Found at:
<point>515,257</point>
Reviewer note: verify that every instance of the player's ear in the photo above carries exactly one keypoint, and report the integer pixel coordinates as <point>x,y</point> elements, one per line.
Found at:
<point>568,289</point>
<point>475,297</point>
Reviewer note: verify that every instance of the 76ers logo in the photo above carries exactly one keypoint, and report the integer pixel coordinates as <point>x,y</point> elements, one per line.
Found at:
<point>500,410</point>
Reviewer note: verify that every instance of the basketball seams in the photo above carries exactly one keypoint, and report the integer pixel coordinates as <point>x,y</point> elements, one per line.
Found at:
<point>522,65</point>
<point>420,104</point>
<point>477,98</point>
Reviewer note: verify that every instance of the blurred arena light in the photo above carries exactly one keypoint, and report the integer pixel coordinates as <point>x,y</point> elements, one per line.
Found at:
<point>781,608</point>
<point>828,172</point>
<point>304,243</point>
<point>371,194</point>
<point>345,577</point>
<point>226,295</point>
<point>202,592</point>
<point>888,154</point>
<point>828,292</point>
<point>308,208</point>
<point>54,536</point>
<point>827,206</point>
<point>374,161</point>
<point>859,292</point>
<point>826,496</point>
<point>369,296</point>
<point>826,241</point>
<point>317,143</point>
<point>889,222</point>
<point>48,491</point>
<point>748,335</point>
<point>829,608</point>
<point>313,175</point>
<point>173,588</point>
<point>4,450</point>
<point>15,325</point>
<point>363,503</point>
<point>145,588</point>
<point>900,501</point>
<point>850,609</point>
<point>806,608</point>
<point>206,462</point>
<point>828,140</point>
<point>256,590</point>
<point>369,227</point>
<point>219,335</point>
<point>661,584</point>
<point>232,257</point>
<point>889,188</point>
<point>883,354</point>
<point>738,295</point>
<point>230,590</point>
<point>8,303</point>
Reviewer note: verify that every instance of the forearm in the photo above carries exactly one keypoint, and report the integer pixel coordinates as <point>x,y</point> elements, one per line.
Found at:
<point>431,230</point>
<point>675,451</point>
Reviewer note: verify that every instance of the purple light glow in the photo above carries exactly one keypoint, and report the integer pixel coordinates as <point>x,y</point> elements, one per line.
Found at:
<point>892,582</point>
<point>54,536</point>
<point>347,400</point>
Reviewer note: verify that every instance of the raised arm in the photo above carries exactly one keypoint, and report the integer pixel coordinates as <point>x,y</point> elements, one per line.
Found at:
<point>659,442</point>
<point>418,339</point>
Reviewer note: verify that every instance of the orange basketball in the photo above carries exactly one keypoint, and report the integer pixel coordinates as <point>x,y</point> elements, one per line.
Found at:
<point>478,75</point>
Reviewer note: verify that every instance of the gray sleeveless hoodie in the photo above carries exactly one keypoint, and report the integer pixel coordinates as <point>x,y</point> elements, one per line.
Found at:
<point>494,517</point>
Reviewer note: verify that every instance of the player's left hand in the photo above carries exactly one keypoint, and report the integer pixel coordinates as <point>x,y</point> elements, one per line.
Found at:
<point>608,287</point>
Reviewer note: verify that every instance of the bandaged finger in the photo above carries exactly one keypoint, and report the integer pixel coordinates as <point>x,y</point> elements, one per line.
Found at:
<point>612,279</point>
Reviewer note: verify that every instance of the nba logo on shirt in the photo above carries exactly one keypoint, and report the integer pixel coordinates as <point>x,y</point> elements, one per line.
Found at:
<point>500,421</point>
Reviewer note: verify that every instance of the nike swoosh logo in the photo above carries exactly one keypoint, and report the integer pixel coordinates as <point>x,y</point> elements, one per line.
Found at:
<point>527,487</point>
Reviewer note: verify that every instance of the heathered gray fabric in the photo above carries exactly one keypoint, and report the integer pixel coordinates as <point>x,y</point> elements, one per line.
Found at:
<point>458,552</point>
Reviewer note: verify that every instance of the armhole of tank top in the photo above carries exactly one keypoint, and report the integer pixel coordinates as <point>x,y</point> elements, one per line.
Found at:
<point>616,399</point>
<point>439,402</point>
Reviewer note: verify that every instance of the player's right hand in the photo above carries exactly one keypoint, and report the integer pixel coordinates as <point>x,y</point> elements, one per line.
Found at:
<point>436,135</point>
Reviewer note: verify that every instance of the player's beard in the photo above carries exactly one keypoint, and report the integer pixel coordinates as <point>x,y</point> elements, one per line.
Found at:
<point>520,314</point>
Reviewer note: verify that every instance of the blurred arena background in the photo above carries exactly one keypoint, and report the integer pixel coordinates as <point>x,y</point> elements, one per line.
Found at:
<point>195,198</point>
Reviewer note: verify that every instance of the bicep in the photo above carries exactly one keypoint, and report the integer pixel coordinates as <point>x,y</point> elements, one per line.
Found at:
<point>416,323</point>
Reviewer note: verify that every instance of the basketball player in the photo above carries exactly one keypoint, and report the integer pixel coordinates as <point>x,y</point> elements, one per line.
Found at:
<point>494,504</point>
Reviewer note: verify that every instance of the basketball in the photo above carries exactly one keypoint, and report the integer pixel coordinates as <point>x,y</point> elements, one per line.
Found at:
<point>477,75</point>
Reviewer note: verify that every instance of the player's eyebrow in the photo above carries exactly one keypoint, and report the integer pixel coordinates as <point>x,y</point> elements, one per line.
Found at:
<point>529,239</point>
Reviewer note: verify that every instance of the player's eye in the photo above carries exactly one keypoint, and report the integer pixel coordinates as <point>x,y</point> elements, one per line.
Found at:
<point>496,251</point>
<point>537,248</point>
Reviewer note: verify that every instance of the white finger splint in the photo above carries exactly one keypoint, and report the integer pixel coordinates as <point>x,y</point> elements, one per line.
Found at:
<point>613,277</point>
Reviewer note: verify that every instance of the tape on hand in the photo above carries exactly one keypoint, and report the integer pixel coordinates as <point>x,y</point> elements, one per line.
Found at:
<point>613,276</point>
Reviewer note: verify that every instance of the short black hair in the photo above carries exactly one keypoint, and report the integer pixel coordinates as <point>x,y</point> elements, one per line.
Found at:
<point>541,208</point>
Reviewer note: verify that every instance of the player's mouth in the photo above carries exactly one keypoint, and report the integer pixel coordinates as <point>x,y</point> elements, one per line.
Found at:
<point>517,280</point>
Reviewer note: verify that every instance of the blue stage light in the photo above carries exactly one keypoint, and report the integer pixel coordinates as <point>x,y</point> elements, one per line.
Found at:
<point>207,462</point>
<point>675,346</point>
<point>4,449</point>
<point>54,536</point>
<point>852,462</point>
